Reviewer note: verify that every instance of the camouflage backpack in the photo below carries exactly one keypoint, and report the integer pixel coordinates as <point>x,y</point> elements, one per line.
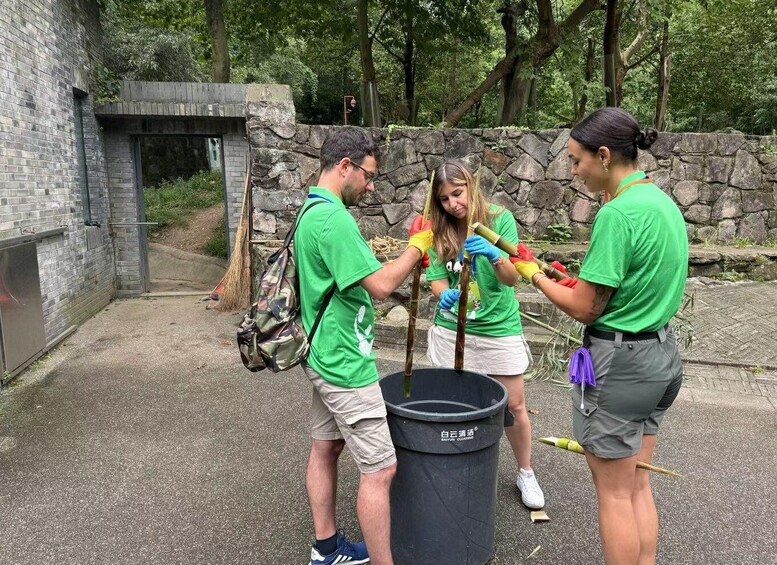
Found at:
<point>271,334</point>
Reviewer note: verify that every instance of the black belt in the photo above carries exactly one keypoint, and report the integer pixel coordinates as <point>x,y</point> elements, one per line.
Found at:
<point>610,336</point>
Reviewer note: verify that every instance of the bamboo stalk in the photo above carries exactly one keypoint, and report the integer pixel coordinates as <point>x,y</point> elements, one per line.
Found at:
<point>461,321</point>
<point>573,446</point>
<point>413,310</point>
<point>511,249</point>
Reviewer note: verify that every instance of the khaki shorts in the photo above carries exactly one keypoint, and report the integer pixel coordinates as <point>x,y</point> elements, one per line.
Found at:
<point>356,415</point>
<point>499,356</point>
<point>637,381</point>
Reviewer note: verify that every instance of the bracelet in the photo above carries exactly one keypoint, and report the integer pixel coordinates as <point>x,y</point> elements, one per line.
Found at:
<point>534,278</point>
<point>498,261</point>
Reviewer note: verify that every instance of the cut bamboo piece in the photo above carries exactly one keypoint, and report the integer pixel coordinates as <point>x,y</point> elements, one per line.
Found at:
<point>572,445</point>
<point>511,249</point>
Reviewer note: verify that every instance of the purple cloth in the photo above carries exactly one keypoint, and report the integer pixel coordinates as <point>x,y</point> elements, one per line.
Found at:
<point>581,369</point>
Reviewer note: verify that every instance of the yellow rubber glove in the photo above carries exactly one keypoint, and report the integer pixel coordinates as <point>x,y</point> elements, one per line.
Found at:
<point>423,240</point>
<point>527,269</point>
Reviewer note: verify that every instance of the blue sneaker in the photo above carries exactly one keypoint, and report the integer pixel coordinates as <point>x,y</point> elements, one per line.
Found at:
<point>346,553</point>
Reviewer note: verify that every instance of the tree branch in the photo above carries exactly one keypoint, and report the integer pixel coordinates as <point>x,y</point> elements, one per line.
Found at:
<point>642,35</point>
<point>389,51</point>
<point>644,58</point>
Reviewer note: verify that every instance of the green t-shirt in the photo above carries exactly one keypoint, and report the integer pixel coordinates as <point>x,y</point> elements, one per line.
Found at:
<point>328,250</point>
<point>492,308</point>
<point>639,247</point>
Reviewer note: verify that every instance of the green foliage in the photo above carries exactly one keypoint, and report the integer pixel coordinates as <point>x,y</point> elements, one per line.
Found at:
<point>284,68</point>
<point>218,245</point>
<point>171,204</point>
<point>136,51</point>
<point>107,85</point>
<point>559,233</point>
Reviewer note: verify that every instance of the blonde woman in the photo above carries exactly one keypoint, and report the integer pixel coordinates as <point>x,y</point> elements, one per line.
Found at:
<point>494,342</point>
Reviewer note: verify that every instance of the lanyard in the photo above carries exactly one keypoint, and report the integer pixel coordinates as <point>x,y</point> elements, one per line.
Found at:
<point>646,180</point>
<point>310,196</point>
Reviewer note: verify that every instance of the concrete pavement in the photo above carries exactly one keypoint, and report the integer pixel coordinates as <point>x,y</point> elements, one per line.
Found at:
<point>143,440</point>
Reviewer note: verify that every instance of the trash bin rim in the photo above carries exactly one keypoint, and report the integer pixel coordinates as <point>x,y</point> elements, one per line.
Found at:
<point>468,416</point>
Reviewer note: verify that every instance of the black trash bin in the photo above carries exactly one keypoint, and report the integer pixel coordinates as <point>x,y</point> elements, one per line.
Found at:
<point>443,499</point>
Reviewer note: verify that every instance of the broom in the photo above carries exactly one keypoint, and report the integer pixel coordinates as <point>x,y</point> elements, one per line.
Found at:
<point>235,285</point>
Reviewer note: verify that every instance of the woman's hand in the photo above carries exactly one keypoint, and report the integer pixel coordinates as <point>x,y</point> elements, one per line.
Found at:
<point>477,245</point>
<point>448,298</point>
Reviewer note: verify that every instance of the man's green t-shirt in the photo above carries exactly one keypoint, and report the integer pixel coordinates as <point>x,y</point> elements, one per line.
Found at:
<point>639,246</point>
<point>329,250</point>
<point>493,309</point>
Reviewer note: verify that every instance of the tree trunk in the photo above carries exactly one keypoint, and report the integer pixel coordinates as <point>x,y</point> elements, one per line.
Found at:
<point>513,98</point>
<point>590,62</point>
<point>540,48</point>
<point>611,52</point>
<point>370,102</point>
<point>219,40</point>
<point>408,64</point>
<point>664,78</point>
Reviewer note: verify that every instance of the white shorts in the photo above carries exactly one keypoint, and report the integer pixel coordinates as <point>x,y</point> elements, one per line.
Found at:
<point>498,356</point>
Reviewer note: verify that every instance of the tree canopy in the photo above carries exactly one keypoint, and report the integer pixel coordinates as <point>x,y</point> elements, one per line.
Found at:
<point>686,65</point>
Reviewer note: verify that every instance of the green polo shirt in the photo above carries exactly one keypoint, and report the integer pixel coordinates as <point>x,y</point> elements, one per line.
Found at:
<point>639,246</point>
<point>492,308</point>
<point>329,250</point>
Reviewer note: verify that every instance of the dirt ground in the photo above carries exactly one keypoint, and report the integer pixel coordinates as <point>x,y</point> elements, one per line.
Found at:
<point>195,235</point>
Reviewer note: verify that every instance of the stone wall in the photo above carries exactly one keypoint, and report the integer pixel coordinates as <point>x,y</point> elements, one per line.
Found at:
<point>725,185</point>
<point>49,47</point>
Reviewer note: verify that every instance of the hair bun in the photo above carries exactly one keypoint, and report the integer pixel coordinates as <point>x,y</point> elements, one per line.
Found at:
<point>646,138</point>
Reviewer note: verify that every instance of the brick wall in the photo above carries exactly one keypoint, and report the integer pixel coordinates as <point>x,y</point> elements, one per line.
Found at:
<point>46,50</point>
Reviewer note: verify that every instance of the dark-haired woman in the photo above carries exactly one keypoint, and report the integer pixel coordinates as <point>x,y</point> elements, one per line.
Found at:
<point>630,286</point>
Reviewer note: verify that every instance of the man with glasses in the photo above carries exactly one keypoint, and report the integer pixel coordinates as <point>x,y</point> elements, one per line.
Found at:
<point>347,407</point>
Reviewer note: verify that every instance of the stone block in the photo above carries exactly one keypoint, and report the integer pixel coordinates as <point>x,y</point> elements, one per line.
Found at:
<point>407,174</point>
<point>503,199</point>
<point>730,143</point>
<point>372,226</point>
<point>399,154</point>
<point>703,143</point>
<point>753,227</point>
<point>729,205</point>
<point>395,213</point>
<point>495,161</point>
<point>559,145</point>
<point>584,211</point>
<point>755,201</point>
<point>709,193</point>
<point>547,194</point>
<point>463,144</point>
<point>527,216</point>
<point>727,230</point>
<point>537,148</point>
<point>664,145</point>
<point>526,168</point>
<point>718,169</point>
<point>698,214</point>
<point>747,171</point>
<point>646,161</point>
<point>417,196</point>
<point>560,168</point>
<point>687,192</point>
<point>383,194</point>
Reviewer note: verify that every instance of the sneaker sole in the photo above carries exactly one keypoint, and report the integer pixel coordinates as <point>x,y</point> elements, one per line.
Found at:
<point>357,562</point>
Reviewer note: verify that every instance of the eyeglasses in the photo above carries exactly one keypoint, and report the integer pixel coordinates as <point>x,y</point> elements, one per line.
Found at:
<point>369,175</point>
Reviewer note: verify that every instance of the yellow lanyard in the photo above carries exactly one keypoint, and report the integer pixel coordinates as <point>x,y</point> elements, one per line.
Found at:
<point>646,180</point>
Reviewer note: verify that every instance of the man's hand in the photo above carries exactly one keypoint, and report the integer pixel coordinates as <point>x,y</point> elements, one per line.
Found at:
<point>448,298</point>
<point>422,238</point>
<point>476,245</point>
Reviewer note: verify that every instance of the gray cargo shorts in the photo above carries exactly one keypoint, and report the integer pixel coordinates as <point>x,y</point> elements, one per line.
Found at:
<point>637,381</point>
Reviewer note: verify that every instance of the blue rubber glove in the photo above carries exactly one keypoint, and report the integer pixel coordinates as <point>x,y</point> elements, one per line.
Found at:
<point>448,298</point>
<point>476,245</point>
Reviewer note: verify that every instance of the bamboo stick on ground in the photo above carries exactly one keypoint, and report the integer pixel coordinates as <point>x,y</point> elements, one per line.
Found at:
<point>573,446</point>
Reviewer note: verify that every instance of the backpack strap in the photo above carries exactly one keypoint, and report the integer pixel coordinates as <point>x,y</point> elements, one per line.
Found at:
<point>320,314</point>
<point>328,298</point>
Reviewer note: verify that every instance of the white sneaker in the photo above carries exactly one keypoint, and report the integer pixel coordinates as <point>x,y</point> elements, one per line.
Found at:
<point>531,493</point>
